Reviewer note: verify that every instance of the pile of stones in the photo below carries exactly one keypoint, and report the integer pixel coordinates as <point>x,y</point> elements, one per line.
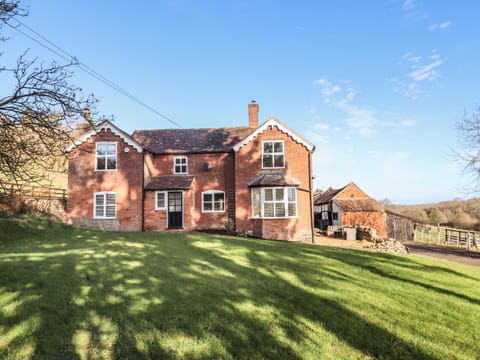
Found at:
<point>387,245</point>
<point>373,242</point>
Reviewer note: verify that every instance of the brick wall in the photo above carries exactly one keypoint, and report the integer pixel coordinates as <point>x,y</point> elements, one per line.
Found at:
<point>374,219</point>
<point>219,177</point>
<point>84,181</point>
<point>248,165</point>
<point>352,191</point>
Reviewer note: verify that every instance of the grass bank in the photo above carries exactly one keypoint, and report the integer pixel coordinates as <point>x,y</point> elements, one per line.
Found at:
<point>77,294</point>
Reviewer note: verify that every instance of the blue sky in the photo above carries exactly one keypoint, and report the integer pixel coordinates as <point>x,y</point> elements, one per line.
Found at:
<point>376,85</point>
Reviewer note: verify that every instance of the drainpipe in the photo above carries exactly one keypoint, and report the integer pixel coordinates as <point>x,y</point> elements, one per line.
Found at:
<point>310,187</point>
<point>143,190</point>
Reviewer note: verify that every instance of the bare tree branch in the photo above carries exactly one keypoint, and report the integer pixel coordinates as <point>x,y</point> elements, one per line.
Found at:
<point>468,130</point>
<point>38,115</point>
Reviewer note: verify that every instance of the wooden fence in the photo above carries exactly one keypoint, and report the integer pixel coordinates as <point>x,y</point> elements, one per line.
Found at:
<point>34,192</point>
<point>446,236</point>
<point>400,227</point>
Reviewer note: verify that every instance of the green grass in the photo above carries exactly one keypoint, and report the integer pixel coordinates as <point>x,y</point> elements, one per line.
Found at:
<point>75,294</point>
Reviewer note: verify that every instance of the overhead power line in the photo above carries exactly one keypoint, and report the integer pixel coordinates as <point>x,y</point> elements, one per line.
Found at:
<point>60,52</point>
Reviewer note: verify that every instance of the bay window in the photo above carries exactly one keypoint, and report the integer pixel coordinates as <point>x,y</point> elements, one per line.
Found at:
<point>274,202</point>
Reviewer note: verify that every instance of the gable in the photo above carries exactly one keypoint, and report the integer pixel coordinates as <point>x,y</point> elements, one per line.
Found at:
<point>351,191</point>
<point>106,125</point>
<point>272,122</point>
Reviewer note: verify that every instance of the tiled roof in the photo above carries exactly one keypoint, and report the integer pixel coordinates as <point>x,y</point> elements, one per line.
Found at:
<point>182,141</point>
<point>359,205</point>
<point>170,182</point>
<point>328,195</point>
<point>273,180</point>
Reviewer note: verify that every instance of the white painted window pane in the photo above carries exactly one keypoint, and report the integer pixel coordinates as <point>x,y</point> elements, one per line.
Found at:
<point>219,201</point>
<point>278,161</point>
<point>111,199</point>
<point>268,195</point>
<point>256,204</point>
<point>279,194</point>
<point>101,163</point>
<point>268,210</point>
<point>161,200</point>
<point>110,211</point>
<point>278,147</point>
<point>267,161</point>
<point>280,209</point>
<point>268,147</point>
<point>99,211</point>
<point>111,163</point>
<point>292,209</point>
<point>111,149</point>
<point>99,199</point>
<point>101,149</point>
<point>291,194</point>
<point>207,206</point>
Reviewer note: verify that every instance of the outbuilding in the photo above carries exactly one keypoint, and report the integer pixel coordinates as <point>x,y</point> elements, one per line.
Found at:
<point>349,206</point>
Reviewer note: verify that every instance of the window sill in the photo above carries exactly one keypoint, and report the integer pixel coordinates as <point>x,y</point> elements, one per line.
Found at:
<point>274,218</point>
<point>213,212</point>
<point>105,218</point>
<point>105,170</point>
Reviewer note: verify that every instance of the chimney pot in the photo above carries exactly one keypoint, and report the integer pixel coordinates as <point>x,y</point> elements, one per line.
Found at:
<point>253,114</point>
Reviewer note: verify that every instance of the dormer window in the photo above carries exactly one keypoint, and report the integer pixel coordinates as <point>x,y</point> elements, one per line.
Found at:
<point>180,165</point>
<point>105,156</point>
<point>273,154</point>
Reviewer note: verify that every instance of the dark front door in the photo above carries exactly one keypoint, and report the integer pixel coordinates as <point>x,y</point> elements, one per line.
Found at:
<point>175,210</point>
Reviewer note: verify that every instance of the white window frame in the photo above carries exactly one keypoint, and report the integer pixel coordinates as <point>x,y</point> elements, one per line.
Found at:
<point>285,200</point>
<point>213,192</point>
<point>175,165</point>
<point>104,193</point>
<point>165,200</point>
<point>106,155</point>
<point>274,153</point>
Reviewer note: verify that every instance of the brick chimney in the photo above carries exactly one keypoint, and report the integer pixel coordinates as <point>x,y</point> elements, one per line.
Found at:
<point>253,114</point>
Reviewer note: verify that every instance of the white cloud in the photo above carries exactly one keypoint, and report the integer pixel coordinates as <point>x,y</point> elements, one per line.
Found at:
<point>420,69</point>
<point>406,123</point>
<point>426,71</point>
<point>411,57</point>
<point>334,93</point>
<point>321,126</point>
<point>327,88</point>
<point>409,5</point>
<point>440,26</point>
<point>361,119</point>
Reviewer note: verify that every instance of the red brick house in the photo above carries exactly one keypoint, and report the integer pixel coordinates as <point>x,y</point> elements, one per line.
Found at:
<point>257,177</point>
<point>349,206</point>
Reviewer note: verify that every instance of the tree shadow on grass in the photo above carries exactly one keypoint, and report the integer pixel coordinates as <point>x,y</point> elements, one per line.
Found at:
<point>373,263</point>
<point>125,295</point>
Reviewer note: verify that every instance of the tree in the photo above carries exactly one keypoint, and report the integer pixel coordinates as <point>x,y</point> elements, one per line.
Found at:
<point>420,216</point>
<point>436,216</point>
<point>463,220</point>
<point>469,136</point>
<point>37,115</point>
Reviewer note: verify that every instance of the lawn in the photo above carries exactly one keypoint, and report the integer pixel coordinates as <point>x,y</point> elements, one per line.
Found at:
<point>75,294</point>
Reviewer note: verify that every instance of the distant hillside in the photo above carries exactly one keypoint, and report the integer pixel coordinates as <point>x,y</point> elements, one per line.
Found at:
<point>463,214</point>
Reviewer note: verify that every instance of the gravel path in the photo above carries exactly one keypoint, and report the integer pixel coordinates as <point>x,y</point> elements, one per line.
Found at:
<point>456,255</point>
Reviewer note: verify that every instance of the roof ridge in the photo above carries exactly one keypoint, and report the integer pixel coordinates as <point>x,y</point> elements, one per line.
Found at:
<point>202,128</point>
